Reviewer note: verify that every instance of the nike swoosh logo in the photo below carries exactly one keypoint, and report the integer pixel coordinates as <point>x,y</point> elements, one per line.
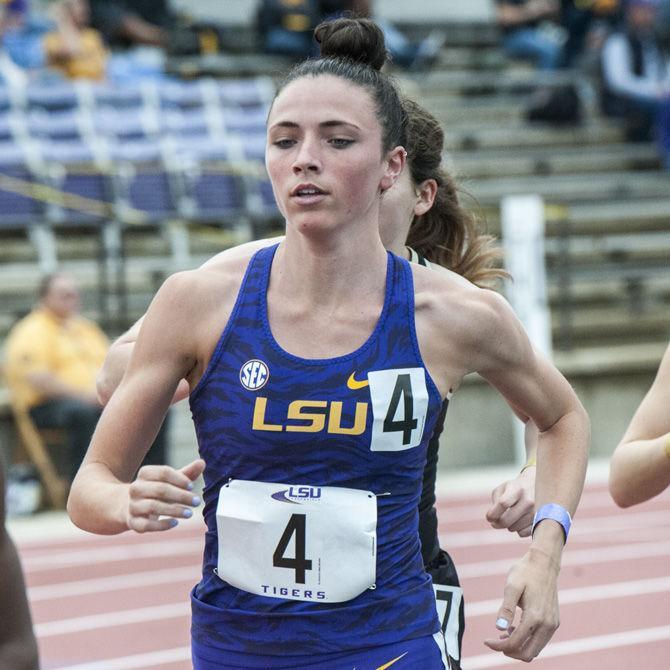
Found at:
<point>390,663</point>
<point>354,384</point>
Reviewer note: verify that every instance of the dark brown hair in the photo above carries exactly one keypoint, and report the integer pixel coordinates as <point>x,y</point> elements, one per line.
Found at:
<point>447,234</point>
<point>354,49</point>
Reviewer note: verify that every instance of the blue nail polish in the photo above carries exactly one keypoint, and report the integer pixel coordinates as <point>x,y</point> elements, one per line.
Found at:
<point>187,513</point>
<point>502,624</point>
<point>196,501</point>
<point>189,486</point>
<point>173,523</point>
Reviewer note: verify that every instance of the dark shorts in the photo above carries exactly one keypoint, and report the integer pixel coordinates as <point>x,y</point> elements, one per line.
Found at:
<point>450,605</point>
<point>426,653</point>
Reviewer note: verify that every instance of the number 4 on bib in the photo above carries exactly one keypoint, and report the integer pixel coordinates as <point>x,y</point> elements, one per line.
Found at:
<point>399,405</point>
<point>295,526</point>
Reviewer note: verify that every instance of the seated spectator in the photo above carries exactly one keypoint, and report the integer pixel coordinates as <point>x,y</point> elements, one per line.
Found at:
<point>664,23</point>
<point>22,34</point>
<point>522,34</point>
<point>125,23</point>
<point>74,48</point>
<point>636,76</point>
<point>52,358</point>
<point>585,23</point>
<point>285,27</point>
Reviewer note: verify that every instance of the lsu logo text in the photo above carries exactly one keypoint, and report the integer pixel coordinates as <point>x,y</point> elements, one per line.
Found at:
<point>296,494</point>
<point>314,416</point>
<point>254,375</point>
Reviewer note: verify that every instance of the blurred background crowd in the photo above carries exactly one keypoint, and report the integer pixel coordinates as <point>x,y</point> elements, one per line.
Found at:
<point>132,143</point>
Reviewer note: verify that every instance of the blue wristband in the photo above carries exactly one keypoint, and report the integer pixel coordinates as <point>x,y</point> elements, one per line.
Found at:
<point>555,512</point>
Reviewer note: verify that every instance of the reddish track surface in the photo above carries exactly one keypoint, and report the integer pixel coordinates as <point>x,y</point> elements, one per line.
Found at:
<point>117,603</point>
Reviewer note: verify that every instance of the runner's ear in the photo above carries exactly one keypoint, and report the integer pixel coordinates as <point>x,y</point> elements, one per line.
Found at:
<point>394,162</point>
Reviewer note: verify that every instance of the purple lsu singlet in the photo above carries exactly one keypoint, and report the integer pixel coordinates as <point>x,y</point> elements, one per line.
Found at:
<point>313,478</point>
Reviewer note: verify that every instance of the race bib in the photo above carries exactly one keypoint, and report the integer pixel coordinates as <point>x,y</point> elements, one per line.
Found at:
<point>296,542</point>
<point>399,407</point>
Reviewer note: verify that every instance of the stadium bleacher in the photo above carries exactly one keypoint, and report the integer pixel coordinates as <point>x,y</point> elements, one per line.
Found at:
<point>133,182</point>
<point>139,154</point>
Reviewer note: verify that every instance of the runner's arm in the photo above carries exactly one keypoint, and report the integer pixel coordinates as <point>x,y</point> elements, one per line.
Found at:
<point>640,466</point>
<point>120,352</point>
<point>505,358</point>
<point>102,497</point>
<point>513,501</point>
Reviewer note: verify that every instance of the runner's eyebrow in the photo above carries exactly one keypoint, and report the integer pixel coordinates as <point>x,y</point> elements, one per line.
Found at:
<point>333,123</point>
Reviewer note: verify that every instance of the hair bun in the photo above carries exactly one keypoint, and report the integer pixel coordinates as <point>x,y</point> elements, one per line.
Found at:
<point>359,40</point>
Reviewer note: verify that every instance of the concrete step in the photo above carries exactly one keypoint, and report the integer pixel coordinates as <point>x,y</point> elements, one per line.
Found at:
<point>559,160</point>
<point>610,325</point>
<point>486,58</point>
<point>597,217</point>
<point>469,137</point>
<point>621,216</point>
<point>572,189</point>
<point>511,80</point>
<point>608,291</point>
<point>453,110</point>
<point>610,359</point>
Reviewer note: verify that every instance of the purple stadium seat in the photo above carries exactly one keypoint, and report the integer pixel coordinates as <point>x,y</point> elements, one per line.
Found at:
<point>257,92</point>
<point>72,168</point>
<point>128,96</point>
<point>261,200</point>
<point>178,123</point>
<point>123,125</point>
<point>249,121</point>
<point>51,96</point>
<point>5,99</point>
<point>181,94</point>
<point>144,182</point>
<point>17,209</point>
<point>56,125</point>
<point>6,127</point>
<point>213,189</point>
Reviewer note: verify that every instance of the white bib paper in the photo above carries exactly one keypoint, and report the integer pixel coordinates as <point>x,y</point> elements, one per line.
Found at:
<point>297,542</point>
<point>399,407</point>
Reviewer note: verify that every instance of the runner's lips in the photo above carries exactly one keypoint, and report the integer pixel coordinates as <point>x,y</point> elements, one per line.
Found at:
<point>306,190</point>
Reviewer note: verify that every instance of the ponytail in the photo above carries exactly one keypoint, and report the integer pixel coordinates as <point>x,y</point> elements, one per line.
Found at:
<point>450,236</point>
<point>447,234</point>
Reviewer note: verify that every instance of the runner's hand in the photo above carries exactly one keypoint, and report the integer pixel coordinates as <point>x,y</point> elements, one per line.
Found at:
<point>532,587</point>
<point>513,504</point>
<point>160,495</point>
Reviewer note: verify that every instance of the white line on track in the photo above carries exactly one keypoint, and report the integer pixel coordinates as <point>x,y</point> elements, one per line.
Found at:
<point>473,609</point>
<point>458,512</point>
<point>98,555</point>
<point>82,556</point>
<point>579,646</point>
<point>135,580</point>
<point>482,662</point>
<point>59,590</point>
<point>109,619</point>
<point>623,552</point>
<point>154,658</point>
<point>583,594</point>
<point>581,528</point>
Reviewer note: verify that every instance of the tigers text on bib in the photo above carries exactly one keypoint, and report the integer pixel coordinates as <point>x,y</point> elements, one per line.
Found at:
<point>297,542</point>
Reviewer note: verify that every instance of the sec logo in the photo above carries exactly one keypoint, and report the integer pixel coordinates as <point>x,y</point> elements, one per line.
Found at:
<point>254,375</point>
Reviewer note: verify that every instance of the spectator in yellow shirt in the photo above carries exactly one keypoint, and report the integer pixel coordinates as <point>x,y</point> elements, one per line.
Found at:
<point>74,48</point>
<point>53,356</point>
